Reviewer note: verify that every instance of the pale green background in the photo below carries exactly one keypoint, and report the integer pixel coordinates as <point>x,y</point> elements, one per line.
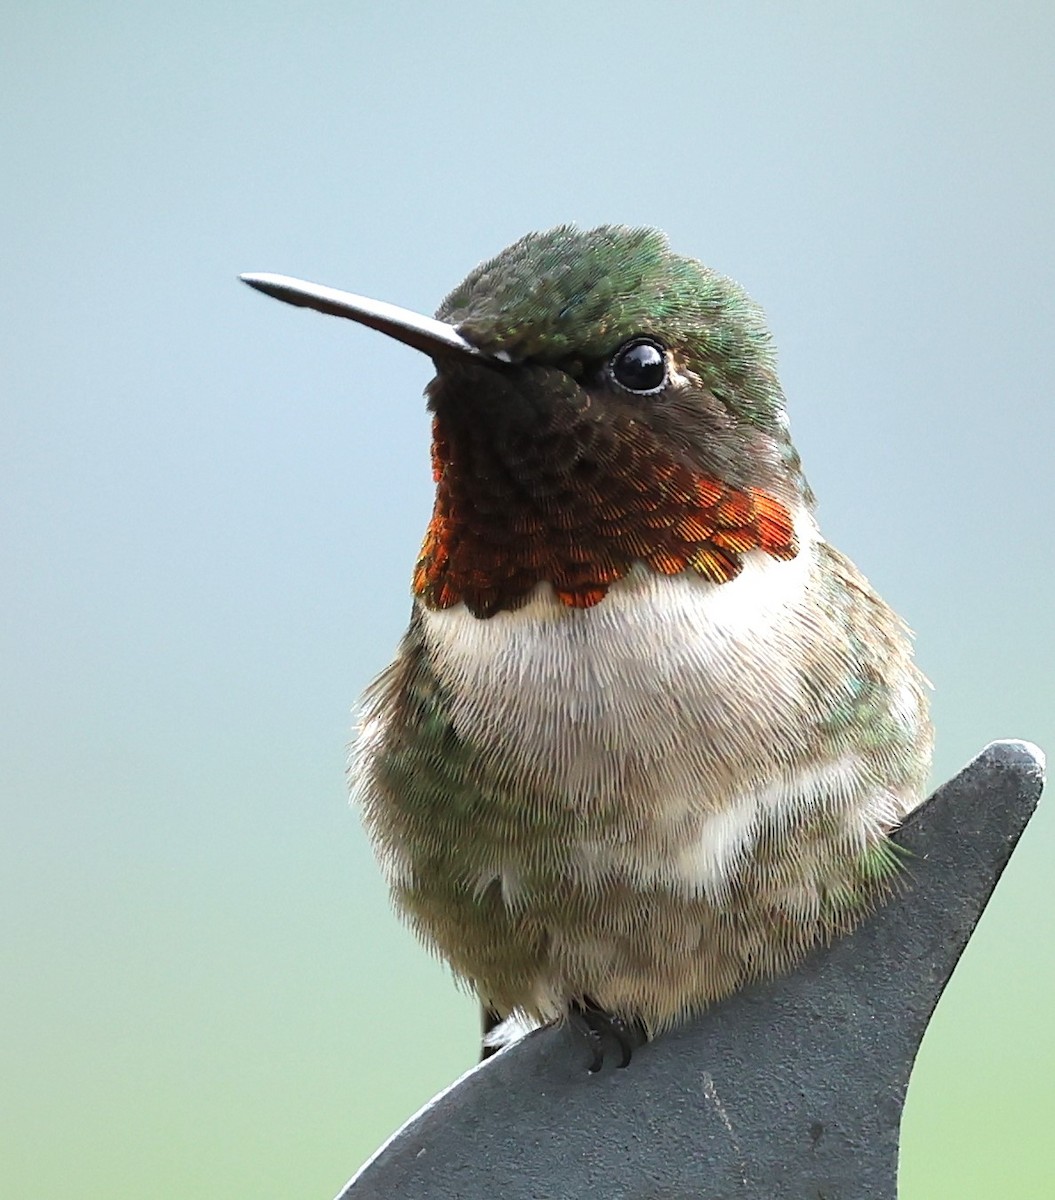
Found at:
<point>212,503</point>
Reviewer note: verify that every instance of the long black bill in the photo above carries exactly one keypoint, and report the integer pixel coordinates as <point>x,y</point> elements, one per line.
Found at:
<point>434,338</point>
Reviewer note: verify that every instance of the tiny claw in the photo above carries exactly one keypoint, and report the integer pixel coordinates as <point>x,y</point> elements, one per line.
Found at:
<point>628,1035</point>
<point>595,1025</point>
<point>579,1021</point>
<point>597,1062</point>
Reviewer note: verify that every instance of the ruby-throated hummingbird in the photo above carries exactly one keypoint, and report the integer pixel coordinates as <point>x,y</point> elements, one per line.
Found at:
<point>647,733</point>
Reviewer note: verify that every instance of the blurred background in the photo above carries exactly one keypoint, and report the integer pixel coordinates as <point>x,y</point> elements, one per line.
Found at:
<point>212,503</point>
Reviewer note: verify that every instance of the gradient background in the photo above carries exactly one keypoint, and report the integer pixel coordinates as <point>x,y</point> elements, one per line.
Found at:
<point>212,503</point>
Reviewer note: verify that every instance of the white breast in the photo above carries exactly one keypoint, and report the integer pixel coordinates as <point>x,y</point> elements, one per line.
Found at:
<point>657,697</point>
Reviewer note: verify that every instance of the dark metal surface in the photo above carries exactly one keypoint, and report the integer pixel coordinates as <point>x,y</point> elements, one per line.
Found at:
<point>791,1090</point>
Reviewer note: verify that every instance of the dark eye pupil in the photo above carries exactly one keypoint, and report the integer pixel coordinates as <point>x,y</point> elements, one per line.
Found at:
<point>640,367</point>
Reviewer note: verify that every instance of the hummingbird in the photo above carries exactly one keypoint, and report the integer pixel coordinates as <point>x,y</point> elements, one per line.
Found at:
<point>648,733</point>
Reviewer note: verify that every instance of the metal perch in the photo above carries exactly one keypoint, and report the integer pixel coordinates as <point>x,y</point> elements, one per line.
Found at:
<point>790,1089</point>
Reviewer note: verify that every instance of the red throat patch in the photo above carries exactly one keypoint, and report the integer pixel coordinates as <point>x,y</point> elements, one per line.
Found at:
<point>491,550</point>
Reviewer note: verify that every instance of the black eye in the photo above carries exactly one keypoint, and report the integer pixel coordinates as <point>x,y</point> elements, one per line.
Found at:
<point>640,366</point>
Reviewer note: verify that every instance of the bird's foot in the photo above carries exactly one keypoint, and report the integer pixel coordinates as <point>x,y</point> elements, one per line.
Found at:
<point>598,1026</point>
